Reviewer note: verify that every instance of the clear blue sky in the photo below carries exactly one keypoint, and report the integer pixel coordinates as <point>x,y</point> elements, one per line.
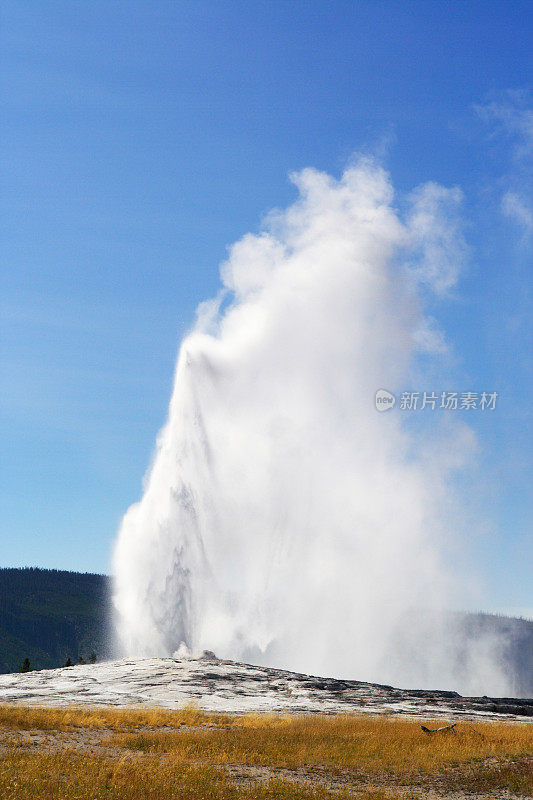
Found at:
<point>139,139</point>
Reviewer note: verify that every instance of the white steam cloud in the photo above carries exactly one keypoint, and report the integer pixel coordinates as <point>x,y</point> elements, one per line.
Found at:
<point>285,521</point>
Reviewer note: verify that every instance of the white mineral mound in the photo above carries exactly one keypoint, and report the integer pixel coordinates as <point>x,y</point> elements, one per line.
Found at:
<point>227,686</point>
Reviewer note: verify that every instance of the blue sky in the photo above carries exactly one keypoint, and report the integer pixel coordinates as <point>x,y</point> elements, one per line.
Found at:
<point>140,139</point>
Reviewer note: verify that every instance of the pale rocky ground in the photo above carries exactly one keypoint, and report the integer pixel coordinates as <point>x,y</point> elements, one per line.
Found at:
<point>226,686</point>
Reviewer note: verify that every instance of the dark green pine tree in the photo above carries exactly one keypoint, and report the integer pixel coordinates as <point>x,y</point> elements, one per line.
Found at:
<point>25,666</point>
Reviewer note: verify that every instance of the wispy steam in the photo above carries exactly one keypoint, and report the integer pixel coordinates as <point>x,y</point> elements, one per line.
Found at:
<point>519,208</point>
<point>284,520</point>
<point>510,117</point>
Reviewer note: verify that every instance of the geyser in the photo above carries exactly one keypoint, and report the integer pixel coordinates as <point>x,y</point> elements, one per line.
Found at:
<point>284,521</point>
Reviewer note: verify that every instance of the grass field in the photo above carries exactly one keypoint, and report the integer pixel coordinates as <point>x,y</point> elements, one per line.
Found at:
<point>89,754</point>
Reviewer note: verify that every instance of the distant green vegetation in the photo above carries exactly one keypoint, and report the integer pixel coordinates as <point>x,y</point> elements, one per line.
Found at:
<point>48,616</point>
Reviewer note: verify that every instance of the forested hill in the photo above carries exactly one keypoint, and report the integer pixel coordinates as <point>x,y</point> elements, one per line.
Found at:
<point>49,616</point>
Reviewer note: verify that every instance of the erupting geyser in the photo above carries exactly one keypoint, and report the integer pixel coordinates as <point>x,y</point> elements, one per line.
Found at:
<point>285,521</point>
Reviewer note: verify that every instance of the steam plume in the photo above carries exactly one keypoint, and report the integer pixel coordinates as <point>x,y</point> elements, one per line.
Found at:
<point>285,521</point>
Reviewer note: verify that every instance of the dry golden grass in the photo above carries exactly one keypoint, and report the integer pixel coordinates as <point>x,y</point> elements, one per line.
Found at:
<point>39,718</point>
<point>372,742</point>
<point>137,753</point>
<point>70,775</point>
